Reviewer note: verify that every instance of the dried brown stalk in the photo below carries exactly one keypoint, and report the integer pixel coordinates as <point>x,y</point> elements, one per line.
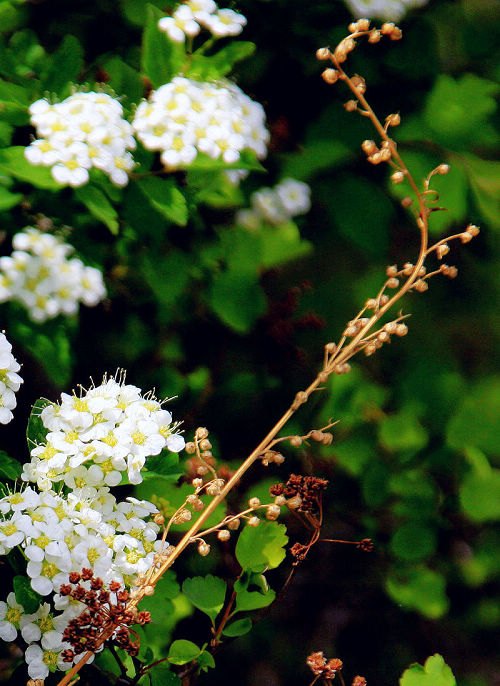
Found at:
<point>361,333</point>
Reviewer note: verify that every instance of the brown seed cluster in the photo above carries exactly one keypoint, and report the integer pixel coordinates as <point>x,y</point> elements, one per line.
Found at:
<point>303,493</point>
<point>320,666</point>
<point>106,608</point>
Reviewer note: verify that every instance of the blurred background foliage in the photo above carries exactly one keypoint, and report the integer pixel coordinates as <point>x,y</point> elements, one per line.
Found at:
<point>233,322</point>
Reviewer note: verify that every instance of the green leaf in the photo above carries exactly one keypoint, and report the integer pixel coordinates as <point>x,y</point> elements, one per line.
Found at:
<point>237,299</point>
<point>160,603</point>
<point>166,198</point>
<point>25,595</point>
<point>99,206</point>
<point>366,221</point>
<point>435,672</point>
<point>51,346</point>
<point>480,496</point>
<point>206,661</point>
<point>419,589</point>
<point>181,652</point>
<point>221,63</point>
<point>402,432</point>
<point>454,108</point>
<point>280,244</point>
<point>475,421</point>
<point>413,541</point>
<point>161,58</point>
<point>248,160</point>
<point>164,464</point>
<point>9,468</point>
<point>14,163</point>
<point>484,178</point>
<point>36,433</point>
<point>8,199</point>
<point>64,67</point>
<point>238,628</point>
<point>167,276</point>
<point>262,547</point>
<point>254,600</point>
<point>161,675</point>
<point>317,155</point>
<point>13,93</point>
<point>124,79</point>
<point>207,593</point>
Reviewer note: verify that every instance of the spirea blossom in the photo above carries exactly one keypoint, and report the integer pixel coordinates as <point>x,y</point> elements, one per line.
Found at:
<point>194,15</point>
<point>10,381</point>
<point>40,276</point>
<point>387,10</point>
<point>93,439</point>
<point>277,205</point>
<point>186,117</point>
<point>86,130</point>
<point>97,436</point>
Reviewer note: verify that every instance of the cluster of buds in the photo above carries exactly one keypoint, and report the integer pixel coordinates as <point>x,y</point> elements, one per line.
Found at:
<point>272,457</point>
<point>302,493</point>
<point>106,608</point>
<point>347,45</point>
<point>375,154</point>
<point>202,448</point>
<point>318,435</point>
<point>395,327</point>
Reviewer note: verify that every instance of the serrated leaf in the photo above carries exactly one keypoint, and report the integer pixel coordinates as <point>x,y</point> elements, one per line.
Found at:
<point>254,600</point>
<point>207,593</point>
<point>161,58</point>
<point>36,433</point>
<point>99,206</point>
<point>261,547</point>
<point>14,163</point>
<point>25,595</point>
<point>64,67</point>
<point>435,672</point>
<point>166,198</point>
<point>9,468</point>
<point>238,628</point>
<point>181,652</point>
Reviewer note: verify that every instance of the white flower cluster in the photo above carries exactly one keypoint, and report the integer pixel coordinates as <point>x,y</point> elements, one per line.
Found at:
<point>189,18</point>
<point>92,440</point>
<point>86,130</point>
<point>39,275</point>
<point>59,534</point>
<point>10,381</point>
<point>277,205</point>
<point>387,10</point>
<point>185,117</point>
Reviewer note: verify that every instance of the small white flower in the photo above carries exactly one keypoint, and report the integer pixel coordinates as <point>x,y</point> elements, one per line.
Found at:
<point>225,22</point>
<point>11,614</point>
<point>180,25</point>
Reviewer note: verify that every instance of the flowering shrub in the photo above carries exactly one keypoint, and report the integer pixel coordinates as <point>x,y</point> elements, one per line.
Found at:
<point>209,283</point>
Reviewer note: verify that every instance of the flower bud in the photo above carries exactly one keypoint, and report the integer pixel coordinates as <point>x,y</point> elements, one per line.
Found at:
<point>190,448</point>
<point>296,441</point>
<point>233,524</point>
<point>369,147</point>
<point>273,512</point>
<point>393,119</point>
<point>203,548</point>
<point>401,330</point>
<point>253,521</point>
<point>323,54</point>
<point>392,283</point>
<point>330,75</point>
<point>443,169</point>
<point>363,24</point>
<point>254,502</point>
<point>407,202</point>
<point>397,177</point>
<point>295,502</point>
<point>224,535</point>
<point>205,444</point>
<point>374,36</point>
<point>201,433</point>
<point>351,105</point>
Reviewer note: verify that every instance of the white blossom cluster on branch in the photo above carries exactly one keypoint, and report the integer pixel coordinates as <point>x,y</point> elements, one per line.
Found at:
<point>186,117</point>
<point>40,276</point>
<point>70,521</point>
<point>194,15</point>
<point>277,205</point>
<point>10,381</point>
<point>86,130</point>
